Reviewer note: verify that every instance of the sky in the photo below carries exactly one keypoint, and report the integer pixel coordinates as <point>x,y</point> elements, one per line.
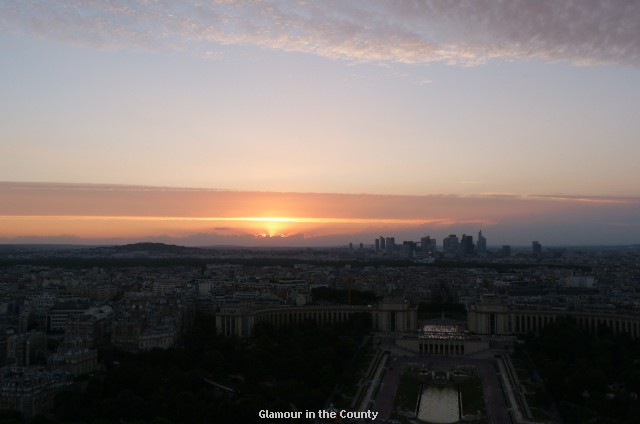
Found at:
<point>319,123</point>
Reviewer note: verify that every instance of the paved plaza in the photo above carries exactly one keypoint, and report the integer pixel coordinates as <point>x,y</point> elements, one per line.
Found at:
<point>496,406</point>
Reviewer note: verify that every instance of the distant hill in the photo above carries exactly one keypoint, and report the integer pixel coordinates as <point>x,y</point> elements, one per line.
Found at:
<point>153,248</point>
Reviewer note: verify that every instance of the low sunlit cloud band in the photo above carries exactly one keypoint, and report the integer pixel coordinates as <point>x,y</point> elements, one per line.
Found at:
<point>109,214</point>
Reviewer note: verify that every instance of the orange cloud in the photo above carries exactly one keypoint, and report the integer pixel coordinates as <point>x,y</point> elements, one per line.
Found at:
<point>104,211</point>
<point>102,226</point>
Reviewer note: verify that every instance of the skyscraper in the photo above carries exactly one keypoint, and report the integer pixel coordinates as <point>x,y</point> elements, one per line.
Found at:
<point>428,246</point>
<point>481,247</point>
<point>466,245</point>
<point>536,248</point>
<point>450,246</point>
<point>390,242</point>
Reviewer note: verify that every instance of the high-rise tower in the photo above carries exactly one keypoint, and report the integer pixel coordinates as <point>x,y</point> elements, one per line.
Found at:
<point>536,248</point>
<point>481,246</point>
<point>450,246</point>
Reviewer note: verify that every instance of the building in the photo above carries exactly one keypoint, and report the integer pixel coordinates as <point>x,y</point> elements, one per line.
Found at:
<point>409,248</point>
<point>443,336</point>
<point>428,246</point>
<point>160,337</point>
<point>59,313</point>
<point>481,246</point>
<point>390,244</point>
<point>467,248</point>
<point>492,316</point>
<point>133,333</point>
<point>93,327</point>
<point>30,391</point>
<point>103,292</point>
<point>536,248</point>
<point>74,359</point>
<point>390,316</point>
<point>127,328</point>
<point>26,349</point>
<point>450,246</point>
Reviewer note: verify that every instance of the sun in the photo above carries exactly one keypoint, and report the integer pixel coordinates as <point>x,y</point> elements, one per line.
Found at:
<point>274,227</point>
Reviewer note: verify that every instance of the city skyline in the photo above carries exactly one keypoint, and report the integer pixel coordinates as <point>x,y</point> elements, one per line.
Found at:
<point>326,123</point>
<point>113,214</point>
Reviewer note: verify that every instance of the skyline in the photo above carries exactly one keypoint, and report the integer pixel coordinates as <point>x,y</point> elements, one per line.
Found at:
<point>327,122</point>
<point>117,214</point>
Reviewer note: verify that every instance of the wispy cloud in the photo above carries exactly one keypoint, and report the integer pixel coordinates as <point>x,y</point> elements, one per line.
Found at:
<point>403,31</point>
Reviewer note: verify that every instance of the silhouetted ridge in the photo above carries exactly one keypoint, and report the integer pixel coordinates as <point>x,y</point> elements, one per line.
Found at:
<point>152,248</point>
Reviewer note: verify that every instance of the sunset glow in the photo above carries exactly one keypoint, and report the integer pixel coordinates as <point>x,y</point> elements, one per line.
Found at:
<point>319,123</point>
<point>70,213</point>
<point>103,226</point>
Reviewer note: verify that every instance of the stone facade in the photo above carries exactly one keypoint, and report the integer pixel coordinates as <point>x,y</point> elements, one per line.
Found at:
<point>493,317</point>
<point>389,317</point>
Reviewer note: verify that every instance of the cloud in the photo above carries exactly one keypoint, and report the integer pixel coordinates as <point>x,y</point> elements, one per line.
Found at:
<point>102,213</point>
<point>403,31</point>
<point>223,229</point>
<point>171,203</point>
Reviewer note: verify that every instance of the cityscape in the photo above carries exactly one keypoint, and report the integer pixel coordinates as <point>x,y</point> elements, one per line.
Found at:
<point>450,314</point>
<point>281,211</point>
<point>453,247</point>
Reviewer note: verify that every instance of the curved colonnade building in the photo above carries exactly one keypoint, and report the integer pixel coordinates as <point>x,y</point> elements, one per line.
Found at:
<point>492,317</point>
<point>387,316</point>
<point>489,319</point>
